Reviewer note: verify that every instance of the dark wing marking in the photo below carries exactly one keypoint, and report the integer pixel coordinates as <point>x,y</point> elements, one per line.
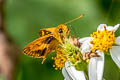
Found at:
<point>43,51</point>
<point>49,39</point>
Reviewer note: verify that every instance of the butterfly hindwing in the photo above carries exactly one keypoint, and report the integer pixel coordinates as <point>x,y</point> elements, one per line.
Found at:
<point>47,31</point>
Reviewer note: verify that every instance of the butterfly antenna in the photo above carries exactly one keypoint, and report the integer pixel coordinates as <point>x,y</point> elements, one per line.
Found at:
<point>74,19</point>
<point>74,32</point>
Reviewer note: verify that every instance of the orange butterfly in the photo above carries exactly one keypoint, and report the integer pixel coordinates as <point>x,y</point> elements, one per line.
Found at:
<point>48,41</point>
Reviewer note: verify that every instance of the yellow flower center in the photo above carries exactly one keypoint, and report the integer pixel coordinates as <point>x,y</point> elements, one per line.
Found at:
<point>60,59</point>
<point>102,40</point>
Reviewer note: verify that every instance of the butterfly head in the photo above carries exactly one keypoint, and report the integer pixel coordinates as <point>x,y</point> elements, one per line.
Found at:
<point>63,30</point>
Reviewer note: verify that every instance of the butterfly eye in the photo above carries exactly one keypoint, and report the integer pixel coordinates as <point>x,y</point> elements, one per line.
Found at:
<point>60,30</point>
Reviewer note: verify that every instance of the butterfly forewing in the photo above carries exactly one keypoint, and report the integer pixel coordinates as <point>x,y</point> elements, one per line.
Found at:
<point>41,47</point>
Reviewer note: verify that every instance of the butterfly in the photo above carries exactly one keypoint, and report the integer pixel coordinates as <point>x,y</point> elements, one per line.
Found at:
<point>47,42</point>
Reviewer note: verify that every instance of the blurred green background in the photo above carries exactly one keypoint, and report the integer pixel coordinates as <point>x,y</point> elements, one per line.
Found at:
<point>24,19</point>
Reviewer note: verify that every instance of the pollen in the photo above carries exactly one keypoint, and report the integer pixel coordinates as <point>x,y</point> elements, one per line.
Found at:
<point>102,40</point>
<point>59,60</point>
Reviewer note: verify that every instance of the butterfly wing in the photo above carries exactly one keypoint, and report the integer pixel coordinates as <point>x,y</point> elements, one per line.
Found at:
<point>46,31</point>
<point>41,47</point>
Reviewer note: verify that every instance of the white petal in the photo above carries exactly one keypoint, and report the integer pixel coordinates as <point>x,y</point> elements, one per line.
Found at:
<point>111,28</point>
<point>74,74</point>
<point>115,54</point>
<point>86,46</point>
<point>66,79</point>
<point>81,40</point>
<point>65,74</point>
<point>96,67</point>
<point>117,40</point>
<point>116,27</point>
<point>101,27</point>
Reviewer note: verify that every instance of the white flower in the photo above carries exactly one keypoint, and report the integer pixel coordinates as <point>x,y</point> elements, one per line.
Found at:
<point>96,65</point>
<point>70,73</point>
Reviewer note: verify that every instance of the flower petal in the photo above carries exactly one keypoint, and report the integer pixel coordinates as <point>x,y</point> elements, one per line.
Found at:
<point>110,28</point>
<point>81,40</point>
<point>86,46</point>
<point>117,40</point>
<point>101,27</point>
<point>74,74</point>
<point>96,67</point>
<point>65,74</point>
<point>115,54</point>
<point>116,27</point>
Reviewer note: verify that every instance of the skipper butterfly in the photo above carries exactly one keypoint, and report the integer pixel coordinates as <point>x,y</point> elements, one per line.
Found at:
<point>48,41</point>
